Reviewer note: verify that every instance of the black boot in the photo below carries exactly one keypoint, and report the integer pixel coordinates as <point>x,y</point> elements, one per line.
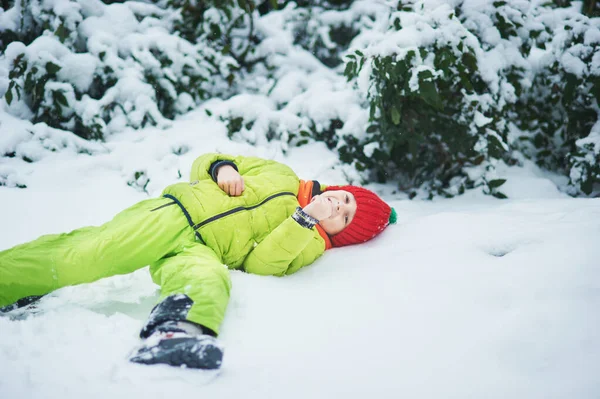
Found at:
<point>29,301</point>
<point>170,339</point>
<point>180,344</point>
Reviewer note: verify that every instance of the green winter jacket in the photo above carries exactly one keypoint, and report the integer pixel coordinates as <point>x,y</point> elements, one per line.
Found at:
<point>254,231</point>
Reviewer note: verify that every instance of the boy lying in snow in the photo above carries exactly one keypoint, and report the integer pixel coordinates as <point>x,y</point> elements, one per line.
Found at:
<point>243,212</point>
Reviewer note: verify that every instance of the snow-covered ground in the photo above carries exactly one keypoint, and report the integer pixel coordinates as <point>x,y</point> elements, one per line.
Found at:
<point>465,298</point>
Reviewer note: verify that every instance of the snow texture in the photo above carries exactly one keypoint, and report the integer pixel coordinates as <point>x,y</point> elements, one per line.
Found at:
<point>469,297</point>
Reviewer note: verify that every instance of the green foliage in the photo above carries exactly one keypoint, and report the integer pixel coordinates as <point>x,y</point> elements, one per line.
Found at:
<point>419,117</point>
<point>217,28</point>
<point>325,4</point>
<point>139,181</point>
<point>591,8</point>
<point>325,39</point>
<point>558,112</point>
<point>492,187</point>
<point>171,72</point>
<point>234,125</point>
<point>435,120</point>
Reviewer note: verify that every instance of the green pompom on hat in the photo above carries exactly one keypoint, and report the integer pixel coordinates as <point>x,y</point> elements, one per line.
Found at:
<point>393,217</point>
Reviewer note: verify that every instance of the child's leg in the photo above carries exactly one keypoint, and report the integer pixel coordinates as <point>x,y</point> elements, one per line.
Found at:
<point>135,238</point>
<point>195,287</point>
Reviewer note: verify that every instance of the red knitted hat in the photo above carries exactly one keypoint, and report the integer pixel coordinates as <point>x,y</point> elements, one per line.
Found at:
<point>371,217</point>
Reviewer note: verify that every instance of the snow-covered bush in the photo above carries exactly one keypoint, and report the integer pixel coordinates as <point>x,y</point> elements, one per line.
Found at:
<point>287,95</point>
<point>226,26</point>
<point>438,96</point>
<point>447,82</point>
<point>94,69</point>
<point>326,29</point>
<point>558,112</point>
<point>436,101</point>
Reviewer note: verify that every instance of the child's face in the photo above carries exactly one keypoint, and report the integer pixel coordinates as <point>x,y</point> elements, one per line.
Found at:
<point>344,209</point>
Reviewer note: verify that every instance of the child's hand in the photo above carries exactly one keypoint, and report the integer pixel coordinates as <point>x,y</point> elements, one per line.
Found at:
<point>320,207</point>
<point>230,181</point>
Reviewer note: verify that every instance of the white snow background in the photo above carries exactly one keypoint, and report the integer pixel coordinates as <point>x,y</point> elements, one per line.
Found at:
<point>472,297</point>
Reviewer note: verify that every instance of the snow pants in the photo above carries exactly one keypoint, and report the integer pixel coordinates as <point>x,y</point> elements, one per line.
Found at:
<point>153,232</point>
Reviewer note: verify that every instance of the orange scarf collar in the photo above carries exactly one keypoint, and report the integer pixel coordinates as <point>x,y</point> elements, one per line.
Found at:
<point>305,194</point>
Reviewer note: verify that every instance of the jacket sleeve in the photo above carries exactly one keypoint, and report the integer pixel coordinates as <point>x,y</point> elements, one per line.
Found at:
<point>285,250</point>
<point>201,167</point>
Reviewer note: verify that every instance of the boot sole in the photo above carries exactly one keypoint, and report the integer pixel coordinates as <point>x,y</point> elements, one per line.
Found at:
<point>187,352</point>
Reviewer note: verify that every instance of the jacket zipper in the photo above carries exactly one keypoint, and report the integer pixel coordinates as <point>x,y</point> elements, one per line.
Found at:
<point>163,206</point>
<point>240,208</point>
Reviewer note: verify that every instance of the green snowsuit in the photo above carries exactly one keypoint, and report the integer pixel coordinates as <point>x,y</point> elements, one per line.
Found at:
<point>189,237</point>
